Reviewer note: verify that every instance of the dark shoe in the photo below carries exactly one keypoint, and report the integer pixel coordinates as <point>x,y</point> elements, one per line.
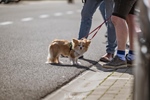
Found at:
<point>107,57</point>
<point>129,62</point>
<point>116,63</point>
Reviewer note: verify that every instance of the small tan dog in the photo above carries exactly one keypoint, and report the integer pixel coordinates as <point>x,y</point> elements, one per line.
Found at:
<point>73,50</point>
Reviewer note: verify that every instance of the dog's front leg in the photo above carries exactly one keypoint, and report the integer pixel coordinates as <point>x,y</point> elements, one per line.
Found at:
<point>77,62</point>
<point>72,61</point>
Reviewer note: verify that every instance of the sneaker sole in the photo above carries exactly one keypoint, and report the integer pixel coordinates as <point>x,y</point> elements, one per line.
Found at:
<point>104,60</point>
<point>115,67</point>
<point>130,65</point>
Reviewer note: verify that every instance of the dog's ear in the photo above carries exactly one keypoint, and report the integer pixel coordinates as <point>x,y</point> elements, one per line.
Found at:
<point>75,41</point>
<point>88,42</point>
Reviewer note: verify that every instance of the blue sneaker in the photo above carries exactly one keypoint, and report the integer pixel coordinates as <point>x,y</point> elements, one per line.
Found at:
<point>129,62</point>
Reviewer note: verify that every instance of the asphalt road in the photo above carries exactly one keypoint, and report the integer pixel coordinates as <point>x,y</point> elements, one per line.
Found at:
<point>26,29</point>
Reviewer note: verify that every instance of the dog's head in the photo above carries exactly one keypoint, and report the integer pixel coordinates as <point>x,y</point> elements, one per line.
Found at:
<point>81,46</point>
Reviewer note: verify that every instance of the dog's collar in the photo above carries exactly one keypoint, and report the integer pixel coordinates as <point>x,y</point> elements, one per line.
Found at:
<point>70,45</point>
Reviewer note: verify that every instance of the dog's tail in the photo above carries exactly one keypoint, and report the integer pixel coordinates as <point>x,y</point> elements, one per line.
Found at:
<point>53,53</point>
<point>49,56</point>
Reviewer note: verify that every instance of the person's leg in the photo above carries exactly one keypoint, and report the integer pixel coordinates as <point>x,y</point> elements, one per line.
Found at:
<point>130,19</point>
<point>121,31</point>
<point>88,10</point>
<point>132,30</point>
<point>121,35</point>
<point>119,20</point>
<point>102,10</point>
<point>130,55</point>
<point>111,37</point>
<point>110,27</point>
<point>121,10</point>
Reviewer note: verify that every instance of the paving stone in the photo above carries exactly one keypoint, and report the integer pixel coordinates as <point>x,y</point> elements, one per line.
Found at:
<point>98,85</point>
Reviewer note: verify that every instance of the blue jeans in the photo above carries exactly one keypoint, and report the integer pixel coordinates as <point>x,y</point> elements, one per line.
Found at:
<point>111,34</point>
<point>88,10</point>
<point>103,10</point>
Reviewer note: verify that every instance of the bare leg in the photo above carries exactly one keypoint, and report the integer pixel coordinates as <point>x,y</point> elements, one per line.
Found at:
<point>131,24</point>
<point>121,31</point>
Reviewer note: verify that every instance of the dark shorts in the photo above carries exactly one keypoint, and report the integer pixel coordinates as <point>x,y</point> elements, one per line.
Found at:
<point>124,7</point>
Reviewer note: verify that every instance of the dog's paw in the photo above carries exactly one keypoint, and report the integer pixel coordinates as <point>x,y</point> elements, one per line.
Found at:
<point>75,63</point>
<point>78,63</point>
<point>60,62</point>
<point>48,62</point>
<point>53,63</point>
<point>71,63</point>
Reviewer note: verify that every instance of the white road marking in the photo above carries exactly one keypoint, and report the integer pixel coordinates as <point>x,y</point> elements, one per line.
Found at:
<point>69,12</point>
<point>27,19</point>
<point>6,23</point>
<point>41,16</point>
<point>58,14</point>
<point>44,16</point>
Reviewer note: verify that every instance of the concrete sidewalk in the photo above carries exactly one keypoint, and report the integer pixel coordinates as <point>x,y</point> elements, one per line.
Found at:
<point>97,84</point>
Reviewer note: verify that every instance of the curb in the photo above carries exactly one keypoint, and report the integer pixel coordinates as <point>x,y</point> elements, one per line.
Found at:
<point>101,84</point>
